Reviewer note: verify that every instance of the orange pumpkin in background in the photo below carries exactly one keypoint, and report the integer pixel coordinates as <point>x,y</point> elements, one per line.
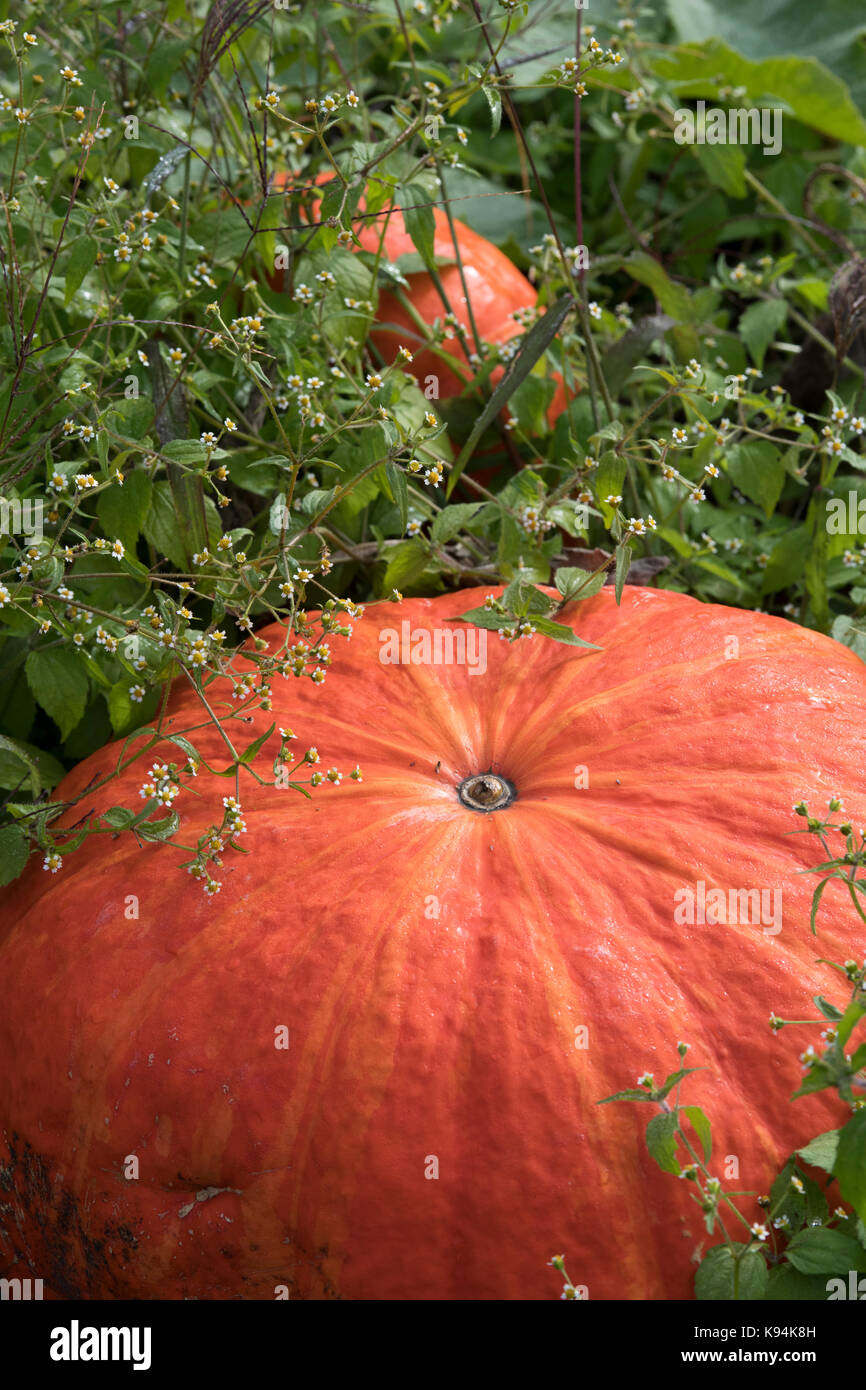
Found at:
<point>496,289</point>
<point>466,952</point>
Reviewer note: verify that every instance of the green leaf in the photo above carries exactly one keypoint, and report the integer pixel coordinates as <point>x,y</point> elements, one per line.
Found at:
<point>159,829</point>
<point>13,767</point>
<point>849,1020</point>
<point>786,1282</point>
<point>14,852</point>
<point>819,1250</point>
<point>806,86</point>
<point>399,490</point>
<point>608,482</point>
<point>59,684</point>
<point>787,559</point>
<point>81,259</point>
<point>494,101</point>
<point>625,1095</point>
<point>760,324</point>
<point>23,763</point>
<point>250,752</point>
<point>163,529</point>
<point>723,166</point>
<point>576,584</point>
<point>701,1126</point>
<point>661,1142</point>
<point>728,1273</point>
<point>452,520</point>
<point>123,509</point>
<point>821,1151</point>
<point>420,222</point>
<point>674,299</point>
<point>406,563</point>
<point>850,1165</point>
<point>560,633</point>
<point>757,468</point>
<point>534,344</point>
<point>118,817</point>
<point>484,617</point>
<point>623,561</point>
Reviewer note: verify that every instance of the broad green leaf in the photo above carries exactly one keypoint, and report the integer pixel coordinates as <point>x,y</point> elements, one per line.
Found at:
<point>661,1141</point>
<point>815,39</point>
<point>81,259</point>
<point>760,324</point>
<point>12,767</point>
<point>59,683</point>
<point>123,509</point>
<point>819,1250</point>
<point>674,299</point>
<point>452,520</point>
<point>729,1273</point>
<point>608,482</point>
<point>850,1166</point>
<point>406,563</point>
<point>14,852</point>
<point>164,531</point>
<point>723,166</point>
<point>576,583</point>
<point>821,1151</point>
<point>757,468</point>
<point>418,216</point>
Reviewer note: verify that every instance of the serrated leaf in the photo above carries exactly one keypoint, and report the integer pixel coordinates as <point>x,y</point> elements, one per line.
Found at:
<point>729,1273</point>
<point>59,684</point>
<point>576,584</point>
<point>819,1250</point>
<point>452,520</point>
<point>661,1142</point>
<point>821,1151</point>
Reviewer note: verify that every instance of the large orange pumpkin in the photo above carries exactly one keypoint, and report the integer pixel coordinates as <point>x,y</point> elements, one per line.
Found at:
<point>432,1130</point>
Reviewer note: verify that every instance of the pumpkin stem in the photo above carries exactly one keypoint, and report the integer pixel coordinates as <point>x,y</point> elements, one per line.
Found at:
<point>486,791</point>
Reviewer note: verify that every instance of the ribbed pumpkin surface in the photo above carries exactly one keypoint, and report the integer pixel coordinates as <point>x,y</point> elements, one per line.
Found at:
<point>413,1035</point>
